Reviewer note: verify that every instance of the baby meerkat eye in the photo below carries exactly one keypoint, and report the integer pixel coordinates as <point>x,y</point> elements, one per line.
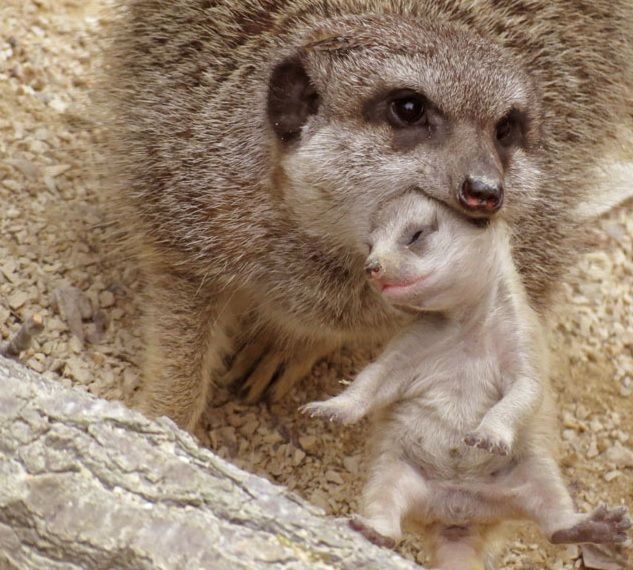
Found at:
<point>407,111</point>
<point>419,233</point>
<point>415,237</point>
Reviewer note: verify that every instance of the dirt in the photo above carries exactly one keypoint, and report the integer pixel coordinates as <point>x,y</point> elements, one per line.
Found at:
<point>57,259</point>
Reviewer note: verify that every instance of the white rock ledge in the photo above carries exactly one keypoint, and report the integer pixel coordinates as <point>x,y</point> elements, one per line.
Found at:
<point>89,484</point>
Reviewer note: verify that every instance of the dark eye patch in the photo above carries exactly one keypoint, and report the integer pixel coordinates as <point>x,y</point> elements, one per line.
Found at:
<point>511,130</point>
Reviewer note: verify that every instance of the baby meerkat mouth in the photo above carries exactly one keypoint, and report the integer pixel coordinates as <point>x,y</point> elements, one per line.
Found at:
<point>399,288</point>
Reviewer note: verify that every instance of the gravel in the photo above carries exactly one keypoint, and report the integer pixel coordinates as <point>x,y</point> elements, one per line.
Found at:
<point>57,259</point>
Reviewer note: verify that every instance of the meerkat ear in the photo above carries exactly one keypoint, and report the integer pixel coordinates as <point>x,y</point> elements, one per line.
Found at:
<point>337,42</point>
<point>291,99</point>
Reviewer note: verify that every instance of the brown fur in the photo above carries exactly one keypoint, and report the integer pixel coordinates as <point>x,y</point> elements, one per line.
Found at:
<point>207,191</point>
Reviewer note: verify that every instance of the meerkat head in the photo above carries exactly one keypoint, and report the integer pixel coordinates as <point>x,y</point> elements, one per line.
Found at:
<point>427,256</point>
<point>369,108</point>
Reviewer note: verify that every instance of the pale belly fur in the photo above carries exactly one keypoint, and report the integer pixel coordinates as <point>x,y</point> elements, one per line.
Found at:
<point>428,426</point>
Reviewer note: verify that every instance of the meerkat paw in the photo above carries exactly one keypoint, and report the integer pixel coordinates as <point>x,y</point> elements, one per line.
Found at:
<point>340,409</point>
<point>490,440</point>
<point>360,524</point>
<point>296,367</point>
<point>263,371</point>
<point>604,525</point>
<point>261,377</point>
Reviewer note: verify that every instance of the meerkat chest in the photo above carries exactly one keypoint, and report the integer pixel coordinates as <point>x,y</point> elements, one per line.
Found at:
<point>456,388</point>
<point>459,380</point>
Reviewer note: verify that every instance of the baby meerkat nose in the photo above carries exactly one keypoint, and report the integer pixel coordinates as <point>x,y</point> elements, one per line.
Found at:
<point>374,269</point>
<point>481,195</point>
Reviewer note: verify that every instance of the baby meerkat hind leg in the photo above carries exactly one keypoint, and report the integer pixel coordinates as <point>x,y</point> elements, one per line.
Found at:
<point>604,525</point>
<point>394,490</point>
<point>543,497</point>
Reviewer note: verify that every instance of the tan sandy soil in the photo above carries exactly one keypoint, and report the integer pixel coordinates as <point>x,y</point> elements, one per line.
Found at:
<point>54,235</point>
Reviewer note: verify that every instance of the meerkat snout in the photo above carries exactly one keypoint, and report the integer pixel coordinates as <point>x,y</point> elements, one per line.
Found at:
<point>385,265</point>
<point>374,268</point>
<point>481,195</point>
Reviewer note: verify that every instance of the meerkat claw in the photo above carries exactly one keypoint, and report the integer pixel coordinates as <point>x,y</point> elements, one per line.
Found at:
<point>496,448</point>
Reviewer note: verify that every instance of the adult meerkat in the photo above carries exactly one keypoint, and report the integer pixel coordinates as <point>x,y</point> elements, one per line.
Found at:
<point>253,139</point>
<point>463,432</point>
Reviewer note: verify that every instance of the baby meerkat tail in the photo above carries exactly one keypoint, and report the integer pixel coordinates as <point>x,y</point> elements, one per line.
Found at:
<point>465,547</point>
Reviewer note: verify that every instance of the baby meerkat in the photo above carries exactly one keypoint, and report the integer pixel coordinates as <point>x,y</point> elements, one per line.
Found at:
<point>463,438</point>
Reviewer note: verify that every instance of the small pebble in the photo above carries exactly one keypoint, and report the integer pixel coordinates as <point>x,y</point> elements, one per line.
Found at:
<point>620,455</point>
<point>106,299</point>
<point>18,299</point>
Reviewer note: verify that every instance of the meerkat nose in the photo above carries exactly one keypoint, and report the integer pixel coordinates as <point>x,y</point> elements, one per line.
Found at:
<point>481,195</point>
<point>374,269</point>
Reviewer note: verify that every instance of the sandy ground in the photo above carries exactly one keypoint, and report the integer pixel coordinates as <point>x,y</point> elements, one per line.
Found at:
<point>55,254</point>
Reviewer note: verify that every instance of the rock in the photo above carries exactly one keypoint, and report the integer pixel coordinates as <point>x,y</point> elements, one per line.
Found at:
<point>74,307</point>
<point>86,483</point>
<point>620,455</point>
<point>18,299</point>
<point>106,299</point>
<point>332,476</point>
<point>308,442</point>
<point>352,464</point>
<point>600,557</point>
<point>611,475</point>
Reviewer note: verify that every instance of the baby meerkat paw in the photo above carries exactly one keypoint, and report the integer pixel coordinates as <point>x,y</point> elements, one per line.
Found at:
<point>489,440</point>
<point>360,525</point>
<point>339,409</point>
<point>604,525</point>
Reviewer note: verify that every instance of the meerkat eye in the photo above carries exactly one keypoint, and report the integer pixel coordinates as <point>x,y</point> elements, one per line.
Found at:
<point>415,237</point>
<point>419,233</point>
<point>504,130</point>
<point>508,131</point>
<point>407,111</point>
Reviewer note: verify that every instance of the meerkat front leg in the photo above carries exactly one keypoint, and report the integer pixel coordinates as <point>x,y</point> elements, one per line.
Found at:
<point>374,388</point>
<point>298,366</point>
<point>497,430</point>
<point>186,336</point>
<point>377,386</point>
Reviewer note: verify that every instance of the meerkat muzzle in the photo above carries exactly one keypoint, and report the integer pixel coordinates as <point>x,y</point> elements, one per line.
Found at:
<point>374,269</point>
<point>479,195</point>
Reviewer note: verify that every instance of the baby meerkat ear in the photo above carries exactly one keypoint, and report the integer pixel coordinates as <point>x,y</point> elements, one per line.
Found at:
<point>291,98</point>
